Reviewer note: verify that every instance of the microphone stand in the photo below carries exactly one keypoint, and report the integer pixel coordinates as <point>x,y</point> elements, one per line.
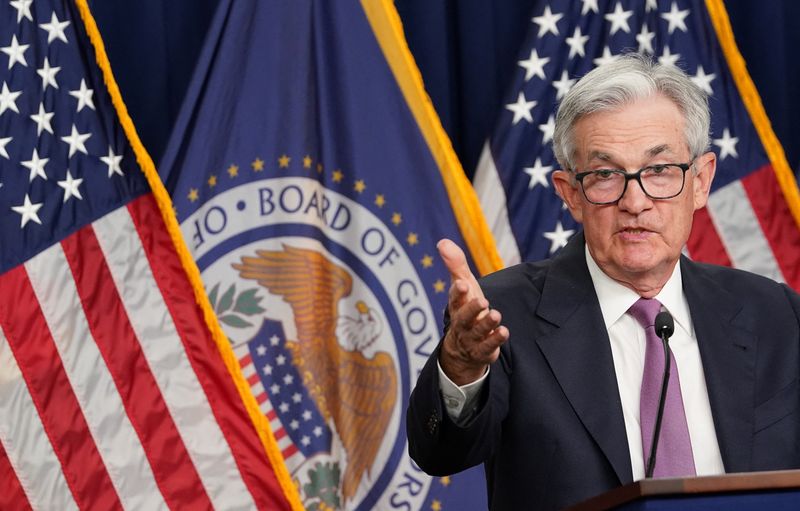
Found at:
<point>664,328</point>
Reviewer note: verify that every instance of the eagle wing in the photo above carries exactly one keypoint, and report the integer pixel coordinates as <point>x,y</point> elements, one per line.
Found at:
<point>368,390</point>
<point>310,283</point>
<point>359,394</point>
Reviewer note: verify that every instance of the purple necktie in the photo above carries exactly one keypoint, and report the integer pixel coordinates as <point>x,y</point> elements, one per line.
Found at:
<point>674,457</point>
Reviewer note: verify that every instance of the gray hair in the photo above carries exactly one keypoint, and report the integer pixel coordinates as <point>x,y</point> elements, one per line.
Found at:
<point>627,79</point>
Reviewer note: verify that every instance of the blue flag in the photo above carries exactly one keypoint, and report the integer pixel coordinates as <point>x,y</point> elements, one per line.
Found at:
<point>312,180</point>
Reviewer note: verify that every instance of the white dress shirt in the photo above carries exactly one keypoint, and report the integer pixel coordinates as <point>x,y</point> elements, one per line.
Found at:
<point>627,339</point>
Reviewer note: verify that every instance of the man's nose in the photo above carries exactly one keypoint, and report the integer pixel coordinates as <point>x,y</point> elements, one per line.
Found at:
<point>634,199</point>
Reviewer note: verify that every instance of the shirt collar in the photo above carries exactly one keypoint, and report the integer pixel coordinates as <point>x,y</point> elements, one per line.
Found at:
<point>615,299</point>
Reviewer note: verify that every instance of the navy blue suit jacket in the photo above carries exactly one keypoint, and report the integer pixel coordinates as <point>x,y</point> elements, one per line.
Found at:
<point>549,425</point>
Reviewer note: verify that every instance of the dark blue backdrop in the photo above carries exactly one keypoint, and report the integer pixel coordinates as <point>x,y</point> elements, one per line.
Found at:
<point>466,50</point>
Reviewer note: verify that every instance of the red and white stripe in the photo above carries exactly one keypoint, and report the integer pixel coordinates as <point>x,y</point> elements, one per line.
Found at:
<point>291,454</point>
<point>747,224</point>
<point>112,392</point>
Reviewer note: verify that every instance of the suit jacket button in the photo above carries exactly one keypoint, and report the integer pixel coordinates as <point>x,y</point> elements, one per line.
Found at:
<point>433,424</point>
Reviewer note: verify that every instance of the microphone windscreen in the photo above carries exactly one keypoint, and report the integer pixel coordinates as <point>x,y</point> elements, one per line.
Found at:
<point>664,324</point>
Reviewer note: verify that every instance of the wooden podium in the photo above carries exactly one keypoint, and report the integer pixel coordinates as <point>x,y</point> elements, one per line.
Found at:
<point>778,490</point>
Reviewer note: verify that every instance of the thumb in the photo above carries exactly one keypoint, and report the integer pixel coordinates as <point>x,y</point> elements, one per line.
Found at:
<point>454,259</point>
<point>456,263</point>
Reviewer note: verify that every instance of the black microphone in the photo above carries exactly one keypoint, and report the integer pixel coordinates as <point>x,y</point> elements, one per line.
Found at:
<point>665,327</point>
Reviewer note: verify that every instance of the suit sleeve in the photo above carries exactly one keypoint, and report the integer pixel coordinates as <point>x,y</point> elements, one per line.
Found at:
<point>439,445</point>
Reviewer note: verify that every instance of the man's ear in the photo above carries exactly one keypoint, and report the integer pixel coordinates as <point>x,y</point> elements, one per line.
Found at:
<point>706,166</point>
<point>569,192</point>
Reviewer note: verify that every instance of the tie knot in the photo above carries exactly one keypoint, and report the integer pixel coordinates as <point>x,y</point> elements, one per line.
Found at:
<point>645,311</point>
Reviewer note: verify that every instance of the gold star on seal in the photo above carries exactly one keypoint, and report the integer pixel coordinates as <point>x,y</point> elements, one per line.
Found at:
<point>319,168</point>
<point>338,175</point>
<point>360,186</point>
<point>438,286</point>
<point>412,238</point>
<point>427,262</point>
<point>397,218</point>
<point>258,165</point>
<point>233,170</point>
<point>194,194</point>
<point>380,200</point>
<point>283,161</point>
<point>436,505</point>
<point>307,162</point>
<point>212,181</point>
<point>445,480</point>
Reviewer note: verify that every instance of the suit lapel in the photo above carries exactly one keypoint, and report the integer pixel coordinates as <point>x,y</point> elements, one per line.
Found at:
<point>728,354</point>
<point>579,354</point>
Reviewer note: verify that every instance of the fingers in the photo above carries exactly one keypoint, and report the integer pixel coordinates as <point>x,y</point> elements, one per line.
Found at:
<point>473,341</point>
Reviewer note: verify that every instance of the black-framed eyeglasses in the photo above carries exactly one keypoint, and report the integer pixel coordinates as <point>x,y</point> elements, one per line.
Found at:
<point>659,182</point>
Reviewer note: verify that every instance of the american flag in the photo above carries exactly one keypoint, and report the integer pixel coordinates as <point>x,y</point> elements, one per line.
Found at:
<point>113,391</point>
<point>752,219</point>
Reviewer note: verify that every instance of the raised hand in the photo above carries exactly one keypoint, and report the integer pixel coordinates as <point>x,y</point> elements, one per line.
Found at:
<point>475,335</point>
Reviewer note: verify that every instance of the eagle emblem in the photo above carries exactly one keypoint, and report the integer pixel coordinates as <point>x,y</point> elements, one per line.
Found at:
<point>355,393</point>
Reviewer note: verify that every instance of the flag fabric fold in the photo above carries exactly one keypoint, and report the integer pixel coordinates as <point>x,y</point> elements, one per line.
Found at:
<point>114,391</point>
<point>312,180</point>
<point>752,220</point>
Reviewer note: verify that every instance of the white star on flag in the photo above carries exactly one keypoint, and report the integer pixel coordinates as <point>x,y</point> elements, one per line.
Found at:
<point>48,74</point>
<point>8,99</point>
<point>55,29</point>
<point>676,18</point>
<point>84,96</point>
<point>534,66</point>
<point>76,141</point>
<point>70,186</point>
<point>3,143</point>
<point>36,166</point>
<point>667,58</point>
<point>702,80</point>
<point>645,40</point>
<point>274,340</point>
<point>619,19</point>
<point>23,8</point>
<point>589,5</point>
<point>651,5</point>
<point>558,237</point>
<point>15,52</point>
<point>547,22</point>
<point>28,211</point>
<point>113,161</point>
<point>577,43</point>
<point>261,350</point>
<point>563,85</point>
<point>605,58</point>
<point>548,129</point>
<point>538,174</point>
<point>522,109</point>
<point>42,120</point>
<point>727,145</point>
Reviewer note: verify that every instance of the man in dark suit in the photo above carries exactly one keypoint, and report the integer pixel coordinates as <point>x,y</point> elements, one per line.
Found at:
<point>545,372</point>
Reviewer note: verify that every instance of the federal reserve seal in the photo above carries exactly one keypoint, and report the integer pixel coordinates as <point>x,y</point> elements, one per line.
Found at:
<point>331,321</point>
